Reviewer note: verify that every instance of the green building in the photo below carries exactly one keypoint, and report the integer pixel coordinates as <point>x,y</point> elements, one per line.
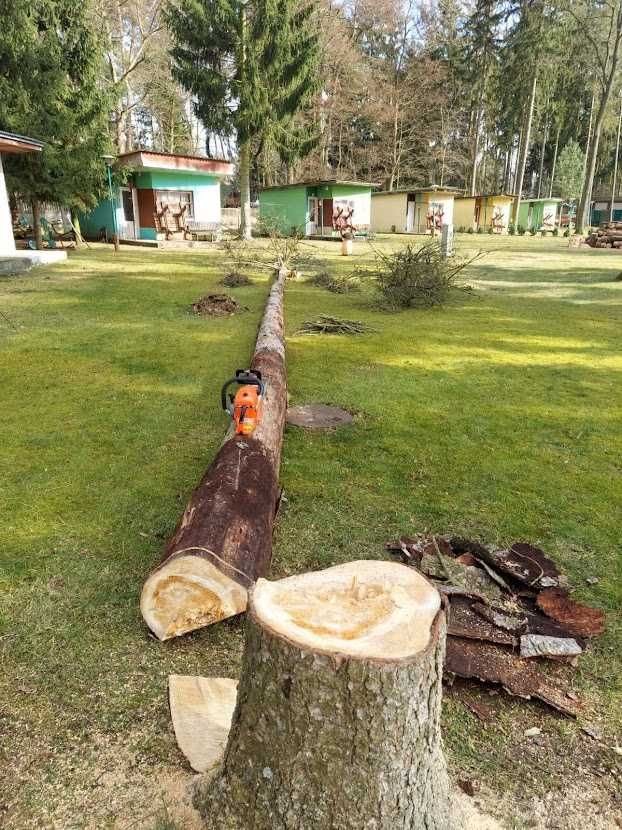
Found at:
<point>539,214</point>
<point>156,182</point>
<point>311,206</point>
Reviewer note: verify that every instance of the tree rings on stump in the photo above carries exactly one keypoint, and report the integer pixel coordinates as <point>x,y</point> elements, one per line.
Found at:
<point>337,717</point>
<point>201,710</point>
<point>318,416</point>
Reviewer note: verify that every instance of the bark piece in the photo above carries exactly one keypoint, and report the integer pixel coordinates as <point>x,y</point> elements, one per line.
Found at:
<point>525,563</point>
<point>535,645</point>
<point>201,710</point>
<point>493,664</point>
<point>337,722</point>
<point>464,621</point>
<point>515,623</point>
<point>223,541</point>
<point>318,416</point>
<point>578,619</point>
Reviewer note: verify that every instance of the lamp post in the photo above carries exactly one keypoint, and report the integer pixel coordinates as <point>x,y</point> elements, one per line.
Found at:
<point>115,236</point>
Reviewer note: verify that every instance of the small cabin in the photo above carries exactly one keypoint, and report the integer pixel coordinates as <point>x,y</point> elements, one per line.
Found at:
<point>412,210</point>
<point>487,211</point>
<point>539,214</point>
<point>164,196</point>
<point>312,208</point>
<point>601,210</point>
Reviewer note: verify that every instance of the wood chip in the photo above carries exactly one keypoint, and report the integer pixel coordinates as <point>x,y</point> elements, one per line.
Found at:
<point>201,710</point>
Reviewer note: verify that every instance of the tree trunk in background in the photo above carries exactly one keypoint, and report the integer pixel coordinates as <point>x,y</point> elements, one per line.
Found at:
<point>75,221</point>
<point>554,162</point>
<point>525,147</point>
<point>223,541</point>
<point>36,223</point>
<point>335,728</point>
<point>245,191</point>
<point>545,136</point>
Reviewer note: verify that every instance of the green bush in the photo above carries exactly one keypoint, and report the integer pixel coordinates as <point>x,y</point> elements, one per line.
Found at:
<point>480,229</point>
<point>533,231</point>
<point>555,231</point>
<point>417,277</point>
<point>470,230</point>
<point>461,229</point>
<point>511,228</point>
<point>567,232</point>
<point>521,230</point>
<point>491,230</point>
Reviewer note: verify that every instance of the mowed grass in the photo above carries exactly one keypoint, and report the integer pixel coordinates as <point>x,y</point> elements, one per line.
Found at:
<point>497,417</point>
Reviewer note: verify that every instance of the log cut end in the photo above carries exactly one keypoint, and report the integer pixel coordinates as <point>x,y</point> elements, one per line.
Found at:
<point>201,710</point>
<point>366,609</point>
<point>188,592</point>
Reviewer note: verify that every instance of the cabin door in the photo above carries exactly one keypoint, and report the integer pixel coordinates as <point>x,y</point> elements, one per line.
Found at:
<point>410,217</point>
<point>314,216</point>
<point>128,223</point>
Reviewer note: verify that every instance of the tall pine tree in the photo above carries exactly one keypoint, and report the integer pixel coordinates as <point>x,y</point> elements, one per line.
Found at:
<point>251,66</point>
<point>50,89</point>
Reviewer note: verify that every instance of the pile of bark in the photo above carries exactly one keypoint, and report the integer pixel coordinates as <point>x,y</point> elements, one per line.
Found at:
<point>608,235</point>
<point>216,305</point>
<point>510,614</point>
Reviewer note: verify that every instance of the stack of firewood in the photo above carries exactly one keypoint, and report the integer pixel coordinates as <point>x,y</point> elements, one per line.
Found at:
<point>608,235</point>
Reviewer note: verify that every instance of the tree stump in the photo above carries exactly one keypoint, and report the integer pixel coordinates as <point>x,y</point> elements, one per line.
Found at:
<point>336,725</point>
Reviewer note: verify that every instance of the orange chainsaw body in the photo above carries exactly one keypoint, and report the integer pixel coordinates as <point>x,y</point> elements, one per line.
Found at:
<point>246,410</point>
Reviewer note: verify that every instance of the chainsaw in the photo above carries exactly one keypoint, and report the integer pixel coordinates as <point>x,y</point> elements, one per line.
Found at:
<point>245,406</point>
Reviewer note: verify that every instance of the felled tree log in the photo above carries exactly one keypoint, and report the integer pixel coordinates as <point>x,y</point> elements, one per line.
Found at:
<point>223,541</point>
<point>337,717</point>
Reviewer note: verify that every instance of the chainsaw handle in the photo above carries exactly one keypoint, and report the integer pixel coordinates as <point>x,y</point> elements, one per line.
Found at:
<point>243,377</point>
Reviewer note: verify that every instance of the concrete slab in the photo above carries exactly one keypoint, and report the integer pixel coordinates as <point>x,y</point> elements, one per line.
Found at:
<point>20,262</point>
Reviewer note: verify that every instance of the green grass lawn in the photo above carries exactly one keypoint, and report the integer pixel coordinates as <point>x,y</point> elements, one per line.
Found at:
<point>496,417</point>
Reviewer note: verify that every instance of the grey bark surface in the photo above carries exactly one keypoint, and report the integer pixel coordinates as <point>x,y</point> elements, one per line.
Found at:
<point>329,742</point>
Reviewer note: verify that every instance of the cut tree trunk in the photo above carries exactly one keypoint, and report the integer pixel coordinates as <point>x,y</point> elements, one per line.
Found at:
<point>36,224</point>
<point>223,541</point>
<point>337,717</point>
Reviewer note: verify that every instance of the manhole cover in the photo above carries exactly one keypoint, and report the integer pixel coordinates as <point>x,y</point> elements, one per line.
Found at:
<point>318,416</point>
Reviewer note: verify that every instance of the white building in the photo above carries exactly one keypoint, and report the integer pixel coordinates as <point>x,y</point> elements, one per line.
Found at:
<point>12,143</point>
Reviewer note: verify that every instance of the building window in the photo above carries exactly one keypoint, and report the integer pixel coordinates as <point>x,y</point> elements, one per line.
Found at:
<point>176,200</point>
<point>128,205</point>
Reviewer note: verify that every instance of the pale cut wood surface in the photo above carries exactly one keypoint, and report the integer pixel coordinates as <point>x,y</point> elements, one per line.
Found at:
<point>368,609</point>
<point>201,710</point>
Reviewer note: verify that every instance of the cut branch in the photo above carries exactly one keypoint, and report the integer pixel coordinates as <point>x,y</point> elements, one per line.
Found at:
<point>223,541</point>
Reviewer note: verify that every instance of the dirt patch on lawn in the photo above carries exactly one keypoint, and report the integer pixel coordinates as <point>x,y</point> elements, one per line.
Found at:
<point>216,305</point>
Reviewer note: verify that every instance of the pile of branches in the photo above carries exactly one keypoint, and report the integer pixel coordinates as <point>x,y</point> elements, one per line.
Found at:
<point>235,279</point>
<point>289,252</point>
<point>335,284</point>
<point>417,277</point>
<point>325,324</point>
<point>510,614</point>
<point>608,235</point>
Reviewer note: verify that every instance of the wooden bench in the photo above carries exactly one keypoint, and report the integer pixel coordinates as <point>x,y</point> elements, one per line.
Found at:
<point>195,229</point>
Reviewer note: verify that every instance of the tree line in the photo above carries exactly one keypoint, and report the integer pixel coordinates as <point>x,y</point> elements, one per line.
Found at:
<point>520,96</point>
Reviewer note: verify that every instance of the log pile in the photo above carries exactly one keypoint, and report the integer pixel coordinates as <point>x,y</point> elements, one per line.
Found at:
<point>608,235</point>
